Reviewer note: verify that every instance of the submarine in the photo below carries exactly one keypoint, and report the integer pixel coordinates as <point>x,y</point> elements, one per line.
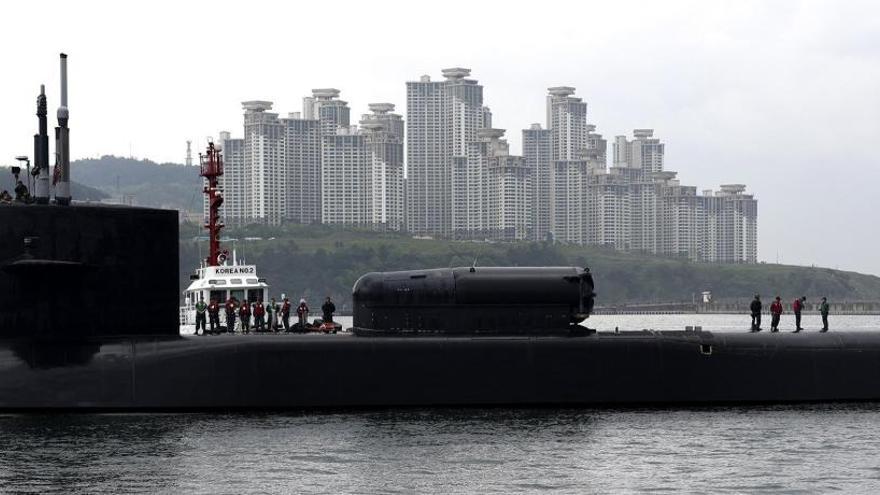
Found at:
<point>468,336</point>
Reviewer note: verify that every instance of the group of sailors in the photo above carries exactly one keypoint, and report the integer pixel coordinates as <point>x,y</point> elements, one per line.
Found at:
<point>272,317</point>
<point>21,194</point>
<point>797,306</point>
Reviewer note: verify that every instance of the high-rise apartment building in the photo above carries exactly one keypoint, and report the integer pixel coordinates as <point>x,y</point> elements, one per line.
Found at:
<point>677,223</point>
<point>346,176</point>
<point>302,160</point>
<point>567,120</point>
<point>610,210</point>
<point>569,172</point>
<point>324,106</point>
<point>232,182</point>
<point>462,182</point>
<point>538,155</point>
<point>738,242</point>
<point>510,192</point>
<point>442,119</point>
<point>470,198</point>
<point>383,137</point>
<point>644,152</point>
<point>264,163</point>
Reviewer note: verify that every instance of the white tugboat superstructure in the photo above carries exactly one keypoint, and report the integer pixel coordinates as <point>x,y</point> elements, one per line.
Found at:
<point>237,281</point>
<point>216,279</point>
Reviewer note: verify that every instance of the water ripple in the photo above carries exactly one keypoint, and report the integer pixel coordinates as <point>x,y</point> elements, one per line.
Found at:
<point>794,449</point>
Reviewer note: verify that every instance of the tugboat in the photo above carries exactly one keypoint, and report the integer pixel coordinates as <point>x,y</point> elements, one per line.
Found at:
<point>215,279</point>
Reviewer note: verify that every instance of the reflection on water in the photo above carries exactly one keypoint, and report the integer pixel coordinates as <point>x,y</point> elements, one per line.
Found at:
<point>747,449</point>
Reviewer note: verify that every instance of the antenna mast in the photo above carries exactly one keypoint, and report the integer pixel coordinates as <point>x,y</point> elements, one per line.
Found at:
<point>211,169</point>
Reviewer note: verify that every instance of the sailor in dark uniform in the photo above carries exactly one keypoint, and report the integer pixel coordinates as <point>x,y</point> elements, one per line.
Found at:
<point>201,307</point>
<point>328,308</point>
<point>755,308</point>
<point>214,316</point>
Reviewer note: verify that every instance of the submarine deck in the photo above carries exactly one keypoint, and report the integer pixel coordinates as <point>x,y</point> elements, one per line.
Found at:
<point>301,371</point>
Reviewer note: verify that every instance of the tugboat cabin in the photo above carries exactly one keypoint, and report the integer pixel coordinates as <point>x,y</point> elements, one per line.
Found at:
<point>220,283</point>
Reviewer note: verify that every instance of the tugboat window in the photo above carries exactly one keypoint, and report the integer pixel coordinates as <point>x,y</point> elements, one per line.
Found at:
<point>235,281</point>
<point>218,295</point>
<point>253,281</point>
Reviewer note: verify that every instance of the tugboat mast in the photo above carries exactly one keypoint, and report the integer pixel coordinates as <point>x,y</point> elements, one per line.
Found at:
<point>211,169</point>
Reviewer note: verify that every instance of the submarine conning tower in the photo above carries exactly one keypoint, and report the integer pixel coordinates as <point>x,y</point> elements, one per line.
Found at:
<point>70,270</point>
<point>473,300</point>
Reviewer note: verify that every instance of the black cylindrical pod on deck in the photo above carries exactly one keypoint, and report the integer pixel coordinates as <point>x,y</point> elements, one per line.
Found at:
<point>476,300</point>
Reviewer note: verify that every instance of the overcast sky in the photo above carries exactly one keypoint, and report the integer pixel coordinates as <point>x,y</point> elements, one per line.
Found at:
<point>781,96</point>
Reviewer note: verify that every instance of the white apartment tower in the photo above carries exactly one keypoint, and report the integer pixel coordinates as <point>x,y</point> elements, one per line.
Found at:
<point>325,107</point>
<point>610,210</point>
<point>264,164</point>
<point>273,174</point>
<point>644,152</point>
<point>383,137</point>
<point>442,119</point>
<point>232,182</point>
<point>510,189</point>
<point>302,160</point>
<point>537,153</point>
<point>739,225</point>
<point>345,178</point>
<point>471,197</point>
<point>569,197</point>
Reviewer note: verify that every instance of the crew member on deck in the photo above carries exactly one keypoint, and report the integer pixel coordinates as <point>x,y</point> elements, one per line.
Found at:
<point>328,308</point>
<point>272,310</point>
<point>244,314</point>
<point>755,308</point>
<point>797,306</point>
<point>200,316</point>
<point>285,314</point>
<point>302,311</point>
<point>230,314</point>
<point>776,313</point>
<point>259,316</point>
<point>214,316</point>
<point>21,192</point>
<point>5,197</point>
<point>823,310</point>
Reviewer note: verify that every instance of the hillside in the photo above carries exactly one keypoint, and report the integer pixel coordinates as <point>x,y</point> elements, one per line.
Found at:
<point>79,191</point>
<point>320,260</point>
<point>160,185</point>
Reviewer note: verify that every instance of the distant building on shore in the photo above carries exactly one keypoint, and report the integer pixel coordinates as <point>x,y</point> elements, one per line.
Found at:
<point>462,182</point>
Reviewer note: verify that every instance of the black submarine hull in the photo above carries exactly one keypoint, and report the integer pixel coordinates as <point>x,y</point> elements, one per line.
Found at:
<point>282,371</point>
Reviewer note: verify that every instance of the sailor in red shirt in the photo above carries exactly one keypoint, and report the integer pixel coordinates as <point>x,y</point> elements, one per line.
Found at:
<point>259,314</point>
<point>214,316</point>
<point>797,306</point>
<point>775,313</point>
<point>244,314</point>
<point>285,314</point>
<point>303,312</point>
<point>230,315</point>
